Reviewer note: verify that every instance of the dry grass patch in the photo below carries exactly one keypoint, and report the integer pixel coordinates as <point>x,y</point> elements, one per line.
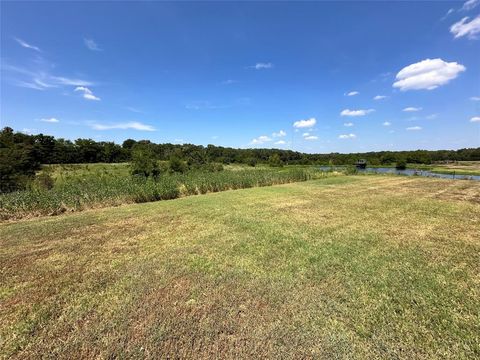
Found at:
<point>345,267</point>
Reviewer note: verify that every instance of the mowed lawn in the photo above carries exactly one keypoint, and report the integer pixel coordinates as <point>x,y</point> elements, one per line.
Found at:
<point>343,267</point>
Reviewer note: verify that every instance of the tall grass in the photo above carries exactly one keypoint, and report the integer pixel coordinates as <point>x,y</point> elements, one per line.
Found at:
<point>74,193</point>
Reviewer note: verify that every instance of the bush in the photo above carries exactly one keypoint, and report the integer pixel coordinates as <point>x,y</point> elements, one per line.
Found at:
<point>401,164</point>
<point>144,162</point>
<point>275,161</point>
<point>176,165</point>
<point>252,162</point>
<point>44,181</point>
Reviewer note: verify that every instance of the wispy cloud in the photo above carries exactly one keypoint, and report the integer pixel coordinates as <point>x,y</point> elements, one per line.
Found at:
<point>135,110</point>
<point>414,128</point>
<point>352,93</point>
<point>380,97</point>
<point>387,123</point>
<point>475,98</point>
<point>465,28</point>
<point>348,124</point>
<point>87,93</point>
<point>427,74</point>
<point>26,45</point>
<point>281,133</point>
<point>311,137</point>
<point>228,82</point>
<point>451,10</point>
<point>305,123</point>
<point>134,125</point>
<point>431,116</point>
<point>475,119</point>
<point>261,140</point>
<point>361,112</point>
<point>50,120</point>
<point>202,105</point>
<point>412,109</point>
<point>40,79</point>
<point>469,5</point>
<point>347,136</point>
<point>280,142</point>
<point>261,66</point>
<point>92,45</point>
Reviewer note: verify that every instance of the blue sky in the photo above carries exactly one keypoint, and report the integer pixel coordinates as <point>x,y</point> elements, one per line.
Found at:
<point>309,76</point>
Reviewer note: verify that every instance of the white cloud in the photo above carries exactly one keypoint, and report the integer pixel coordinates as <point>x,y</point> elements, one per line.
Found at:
<point>352,93</point>
<point>361,112</point>
<point>464,28</point>
<point>306,134</point>
<point>451,10</point>
<point>305,123</point>
<point>280,142</point>
<point>261,139</point>
<point>135,125</point>
<point>28,131</point>
<point>475,119</point>
<point>387,123</point>
<point>380,97</point>
<point>41,79</point>
<point>412,109</point>
<point>73,82</point>
<point>348,124</point>
<point>87,93</point>
<point>431,116</point>
<point>414,128</point>
<point>261,65</point>
<point>281,133</point>
<point>27,45</point>
<point>311,137</point>
<point>427,74</point>
<point>50,120</point>
<point>470,4</point>
<point>92,45</point>
<point>475,98</point>
<point>347,136</point>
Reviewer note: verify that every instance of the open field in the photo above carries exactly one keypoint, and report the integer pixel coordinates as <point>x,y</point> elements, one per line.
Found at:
<point>85,188</point>
<point>341,267</point>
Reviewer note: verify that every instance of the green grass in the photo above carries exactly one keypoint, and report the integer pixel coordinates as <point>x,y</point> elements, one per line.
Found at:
<point>86,187</point>
<point>342,267</point>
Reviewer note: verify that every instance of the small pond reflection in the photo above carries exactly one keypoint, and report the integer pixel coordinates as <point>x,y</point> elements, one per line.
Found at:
<point>407,172</point>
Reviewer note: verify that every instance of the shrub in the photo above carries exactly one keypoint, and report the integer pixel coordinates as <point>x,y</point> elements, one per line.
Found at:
<point>401,164</point>
<point>144,162</point>
<point>275,161</point>
<point>44,181</point>
<point>176,165</point>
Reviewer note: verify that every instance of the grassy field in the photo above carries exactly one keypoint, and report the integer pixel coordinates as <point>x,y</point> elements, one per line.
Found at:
<point>84,187</point>
<point>342,267</point>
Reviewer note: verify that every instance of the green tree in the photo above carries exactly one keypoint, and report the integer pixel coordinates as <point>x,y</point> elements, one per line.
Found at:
<point>274,160</point>
<point>144,162</point>
<point>176,165</point>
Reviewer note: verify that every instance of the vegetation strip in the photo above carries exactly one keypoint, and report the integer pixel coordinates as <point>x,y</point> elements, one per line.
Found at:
<point>97,189</point>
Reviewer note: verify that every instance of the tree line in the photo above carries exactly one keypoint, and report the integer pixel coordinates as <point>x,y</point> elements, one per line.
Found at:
<point>21,154</point>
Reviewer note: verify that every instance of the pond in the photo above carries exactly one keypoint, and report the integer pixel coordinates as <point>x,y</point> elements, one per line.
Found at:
<point>407,172</point>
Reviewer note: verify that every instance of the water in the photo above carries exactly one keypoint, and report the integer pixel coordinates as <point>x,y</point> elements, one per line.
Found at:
<point>407,172</point>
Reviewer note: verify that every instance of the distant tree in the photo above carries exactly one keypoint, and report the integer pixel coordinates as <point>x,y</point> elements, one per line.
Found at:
<point>252,162</point>
<point>274,160</point>
<point>401,164</point>
<point>17,162</point>
<point>144,162</point>
<point>128,144</point>
<point>176,165</point>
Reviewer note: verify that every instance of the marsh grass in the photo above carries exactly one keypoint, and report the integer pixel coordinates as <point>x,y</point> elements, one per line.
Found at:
<point>79,188</point>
